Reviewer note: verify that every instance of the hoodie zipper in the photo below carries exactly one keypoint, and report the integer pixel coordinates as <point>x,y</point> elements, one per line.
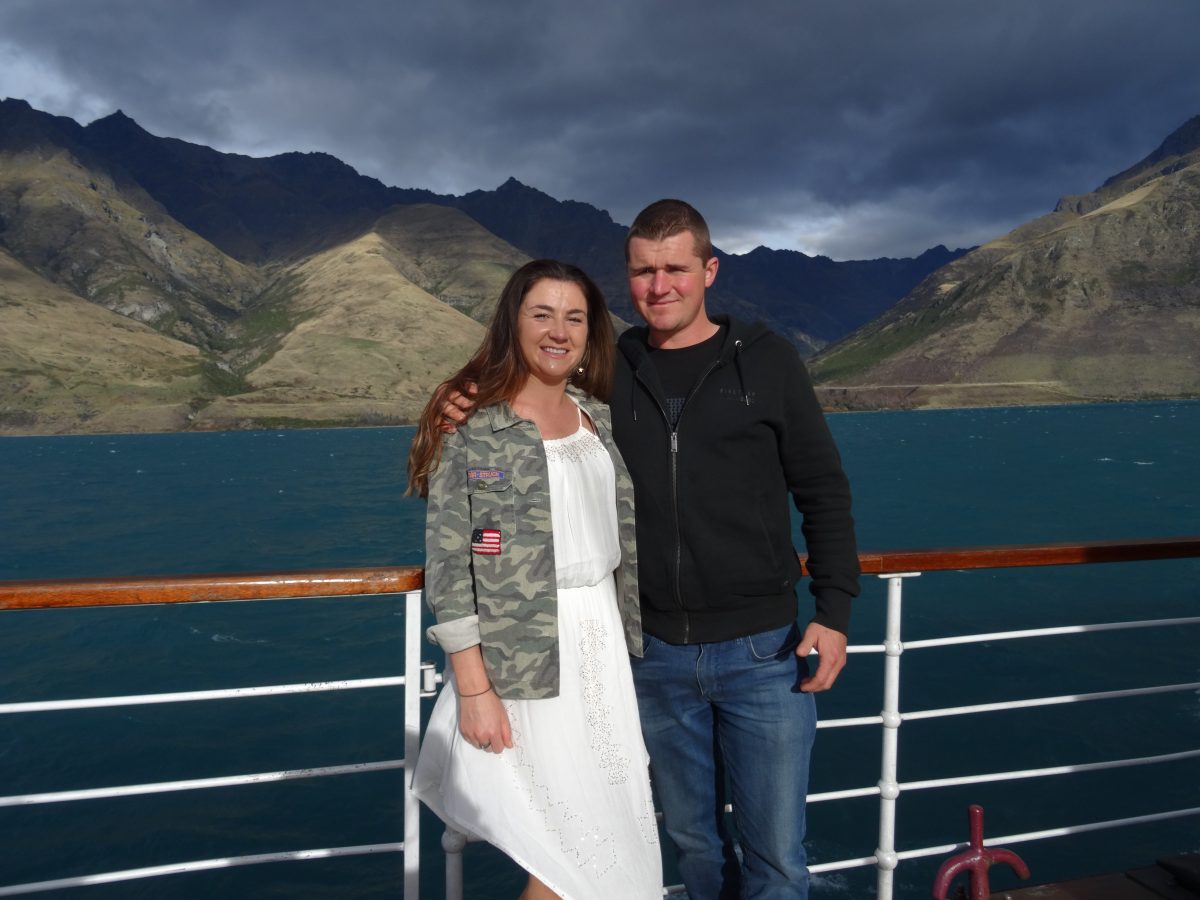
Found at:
<point>674,452</point>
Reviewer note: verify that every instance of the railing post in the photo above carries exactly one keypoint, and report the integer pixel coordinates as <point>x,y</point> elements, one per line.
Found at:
<point>453,843</point>
<point>889,787</point>
<point>412,741</point>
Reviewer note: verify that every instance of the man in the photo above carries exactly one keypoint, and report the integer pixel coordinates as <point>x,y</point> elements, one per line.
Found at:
<point>718,423</point>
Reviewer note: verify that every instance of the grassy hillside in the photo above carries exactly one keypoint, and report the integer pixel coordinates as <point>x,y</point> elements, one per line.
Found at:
<point>117,318</point>
<point>1099,300</point>
<point>67,365</point>
<point>111,244</point>
<point>358,342</point>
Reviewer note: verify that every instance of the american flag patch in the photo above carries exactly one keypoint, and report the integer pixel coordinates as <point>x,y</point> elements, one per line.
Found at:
<point>486,541</point>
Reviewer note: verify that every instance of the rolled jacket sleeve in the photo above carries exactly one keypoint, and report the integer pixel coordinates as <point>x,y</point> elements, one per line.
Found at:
<point>455,635</point>
<point>449,585</point>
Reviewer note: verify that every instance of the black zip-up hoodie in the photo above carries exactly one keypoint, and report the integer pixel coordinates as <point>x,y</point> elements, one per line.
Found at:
<point>715,554</point>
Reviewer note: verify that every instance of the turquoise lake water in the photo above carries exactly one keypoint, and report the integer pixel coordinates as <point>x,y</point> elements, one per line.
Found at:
<point>259,501</point>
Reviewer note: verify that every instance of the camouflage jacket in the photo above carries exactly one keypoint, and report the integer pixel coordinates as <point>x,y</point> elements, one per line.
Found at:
<point>489,549</point>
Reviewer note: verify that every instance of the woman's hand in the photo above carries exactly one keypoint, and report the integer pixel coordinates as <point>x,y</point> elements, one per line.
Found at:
<point>483,722</point>
<point>482,719</point>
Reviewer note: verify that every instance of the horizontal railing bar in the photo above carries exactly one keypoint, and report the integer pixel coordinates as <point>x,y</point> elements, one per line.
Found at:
<point>842,864</point>
<point>850,722</point>
<point>943,849</point>
<point>1064,831</point>
<point>1026,633</point>
<point>400,579</point>
<point>1013,555</point>
<point>1074,769</point>
<point>1001,705</point>
<point>1092,826</point>
<point>273,690</point>
<point>1014,775</point>
<point>847,794</point>
<point>1046,701</point>
<point>197,784</point>
<point>200,865</point>
<point>1045,632</point>
<point>209,588</point>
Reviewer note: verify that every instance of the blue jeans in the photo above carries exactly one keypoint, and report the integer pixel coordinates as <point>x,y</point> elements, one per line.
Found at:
<point>731,708</point>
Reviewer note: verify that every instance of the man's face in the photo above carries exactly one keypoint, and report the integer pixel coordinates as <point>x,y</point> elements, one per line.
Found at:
<point>667,280</point>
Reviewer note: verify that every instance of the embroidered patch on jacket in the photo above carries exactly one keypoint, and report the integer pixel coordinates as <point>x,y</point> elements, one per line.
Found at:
<point>486,541</point>
<point>485,474</point>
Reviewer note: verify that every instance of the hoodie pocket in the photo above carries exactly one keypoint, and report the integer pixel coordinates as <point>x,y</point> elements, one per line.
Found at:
<point>749,559</point>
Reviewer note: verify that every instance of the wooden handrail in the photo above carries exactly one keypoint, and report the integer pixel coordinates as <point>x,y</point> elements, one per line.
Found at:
<point>207,588</point>
<point>398,579</point>
<point>1013,555</point>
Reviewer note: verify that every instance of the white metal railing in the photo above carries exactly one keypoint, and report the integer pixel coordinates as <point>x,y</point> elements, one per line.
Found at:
<point>422,676</point>
<point>886,857</point>
<point>195,784</point>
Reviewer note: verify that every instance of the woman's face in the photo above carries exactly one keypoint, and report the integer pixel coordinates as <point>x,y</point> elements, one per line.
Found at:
<point>552,329</point>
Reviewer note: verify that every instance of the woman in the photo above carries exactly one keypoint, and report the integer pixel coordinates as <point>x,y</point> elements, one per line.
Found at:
<point>534,744</point>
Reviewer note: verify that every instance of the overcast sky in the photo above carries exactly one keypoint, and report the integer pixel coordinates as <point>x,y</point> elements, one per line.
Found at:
<point>849,128</point>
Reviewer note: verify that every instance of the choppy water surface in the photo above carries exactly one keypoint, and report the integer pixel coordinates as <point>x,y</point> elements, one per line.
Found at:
<point>159,504</point>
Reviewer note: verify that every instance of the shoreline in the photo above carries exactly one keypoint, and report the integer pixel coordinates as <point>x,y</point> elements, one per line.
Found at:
<point>826,408</point>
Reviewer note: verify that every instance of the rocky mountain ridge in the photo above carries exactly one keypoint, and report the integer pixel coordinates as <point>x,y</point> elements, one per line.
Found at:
<point>288,289</point>
<point>1097,300</point>
<point>147,283</point>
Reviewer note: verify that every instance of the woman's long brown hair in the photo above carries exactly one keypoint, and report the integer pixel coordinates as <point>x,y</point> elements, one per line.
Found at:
<point>498,370</point>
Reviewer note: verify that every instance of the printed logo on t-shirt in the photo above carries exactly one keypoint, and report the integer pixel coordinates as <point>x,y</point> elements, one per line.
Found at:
<point>747,397</point>
<point>674,408</point>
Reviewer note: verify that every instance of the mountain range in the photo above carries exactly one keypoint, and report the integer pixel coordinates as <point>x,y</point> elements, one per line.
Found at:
<point>147,283</point>
<point>1097,300</point>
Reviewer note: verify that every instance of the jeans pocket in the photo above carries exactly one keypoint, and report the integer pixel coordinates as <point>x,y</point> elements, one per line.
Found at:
<point>777,644</point>
<point>648,641</point>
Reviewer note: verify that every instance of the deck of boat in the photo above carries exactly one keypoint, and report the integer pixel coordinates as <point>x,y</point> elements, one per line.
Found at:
<point>1170,878</point>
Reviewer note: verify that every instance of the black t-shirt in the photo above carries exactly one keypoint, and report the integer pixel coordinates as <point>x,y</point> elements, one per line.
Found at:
<point>679,370</point>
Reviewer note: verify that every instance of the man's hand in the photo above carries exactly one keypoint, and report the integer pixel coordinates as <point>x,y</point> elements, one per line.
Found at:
<point>831,647</point>
<point>456,407</point>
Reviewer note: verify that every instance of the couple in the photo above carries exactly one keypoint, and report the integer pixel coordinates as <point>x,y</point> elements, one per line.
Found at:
<point>546,605</point>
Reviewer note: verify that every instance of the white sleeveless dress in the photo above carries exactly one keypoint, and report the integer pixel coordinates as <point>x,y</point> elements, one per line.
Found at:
<point>571,801</point>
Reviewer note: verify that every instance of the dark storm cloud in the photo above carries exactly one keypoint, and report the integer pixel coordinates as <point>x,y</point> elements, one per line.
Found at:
<point>853,129</point>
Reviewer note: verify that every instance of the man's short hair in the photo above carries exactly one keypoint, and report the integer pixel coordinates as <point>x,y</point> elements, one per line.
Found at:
<point>663,219</point>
